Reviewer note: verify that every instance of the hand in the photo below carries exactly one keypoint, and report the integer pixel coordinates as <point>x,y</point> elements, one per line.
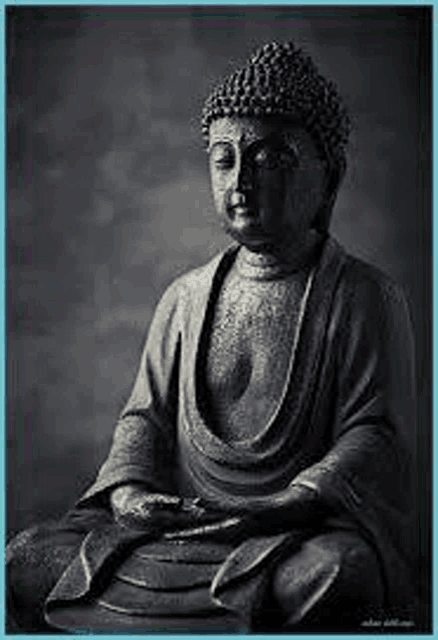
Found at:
<point>137,508</point>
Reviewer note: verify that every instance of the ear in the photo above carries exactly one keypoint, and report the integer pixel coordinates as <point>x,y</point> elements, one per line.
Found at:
<point>335,176</point>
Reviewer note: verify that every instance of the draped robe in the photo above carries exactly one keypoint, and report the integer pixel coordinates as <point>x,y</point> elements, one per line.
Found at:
<point>342,429</point>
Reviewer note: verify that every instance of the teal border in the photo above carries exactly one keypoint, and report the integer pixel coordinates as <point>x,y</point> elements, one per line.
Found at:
<point>360,3</point>
<point>3,283</point>
<point>30,3</point>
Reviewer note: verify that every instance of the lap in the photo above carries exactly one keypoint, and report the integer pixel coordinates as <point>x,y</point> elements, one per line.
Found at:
<point>36,559</point>
<point>333,572</point>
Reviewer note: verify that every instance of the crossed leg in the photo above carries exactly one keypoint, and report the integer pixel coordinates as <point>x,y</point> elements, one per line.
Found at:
<point>333,582</point>
<point>36,559</point>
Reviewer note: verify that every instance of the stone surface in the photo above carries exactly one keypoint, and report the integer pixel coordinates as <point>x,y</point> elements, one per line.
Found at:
<point>133,600</point>
<point>162,576</point>
<point>187,552</point>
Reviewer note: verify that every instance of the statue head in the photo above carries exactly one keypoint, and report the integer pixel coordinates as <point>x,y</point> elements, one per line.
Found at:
<point>276,132</point>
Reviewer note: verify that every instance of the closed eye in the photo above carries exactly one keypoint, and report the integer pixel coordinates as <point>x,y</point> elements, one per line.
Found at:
<point>222,156</point>
<point>265,159</point>
<point>271,158</point>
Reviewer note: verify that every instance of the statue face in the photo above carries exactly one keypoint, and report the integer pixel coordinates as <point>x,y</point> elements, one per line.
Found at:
<point>268,181</point>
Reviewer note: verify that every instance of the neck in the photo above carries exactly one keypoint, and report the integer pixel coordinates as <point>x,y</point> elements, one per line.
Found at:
<point>278,262</point>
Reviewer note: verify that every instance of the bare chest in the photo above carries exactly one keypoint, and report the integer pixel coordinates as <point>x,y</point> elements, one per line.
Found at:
<point>249,353</point>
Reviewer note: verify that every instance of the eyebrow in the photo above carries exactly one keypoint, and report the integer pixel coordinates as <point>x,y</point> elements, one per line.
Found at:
<point>274,136</point>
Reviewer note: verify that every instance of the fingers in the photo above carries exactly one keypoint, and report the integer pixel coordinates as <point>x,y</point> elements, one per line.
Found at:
<point>123,497</point>
<point>222,528</point>
<point>161,501</point>
<point>152,506</point>
<point>135,507</point>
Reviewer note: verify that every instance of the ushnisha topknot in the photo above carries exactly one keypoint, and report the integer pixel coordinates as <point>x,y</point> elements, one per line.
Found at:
<point>279,80</point>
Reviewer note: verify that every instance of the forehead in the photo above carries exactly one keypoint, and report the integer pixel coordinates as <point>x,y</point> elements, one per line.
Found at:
<point>245,131</point>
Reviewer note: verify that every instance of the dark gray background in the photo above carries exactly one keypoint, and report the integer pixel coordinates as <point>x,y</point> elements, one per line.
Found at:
<point>108,201</point>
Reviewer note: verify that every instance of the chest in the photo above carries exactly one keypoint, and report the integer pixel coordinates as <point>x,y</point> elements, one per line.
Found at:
<point>250,348</point>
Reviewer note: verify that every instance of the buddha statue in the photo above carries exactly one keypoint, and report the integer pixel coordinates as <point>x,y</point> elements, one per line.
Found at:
<point>259,474</point>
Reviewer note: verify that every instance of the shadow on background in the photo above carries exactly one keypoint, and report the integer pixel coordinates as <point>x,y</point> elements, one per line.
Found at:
<point>108,201</point>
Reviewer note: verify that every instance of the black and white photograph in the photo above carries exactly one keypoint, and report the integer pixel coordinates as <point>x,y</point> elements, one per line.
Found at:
<point>219,319</point>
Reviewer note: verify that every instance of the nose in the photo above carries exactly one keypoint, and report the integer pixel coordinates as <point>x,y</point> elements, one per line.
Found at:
<point>244,176</point>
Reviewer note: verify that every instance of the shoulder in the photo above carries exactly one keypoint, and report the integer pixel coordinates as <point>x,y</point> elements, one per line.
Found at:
<point>361,273</point>
<point>193,288</point>
<point>369,286</point>
<point>200,279</point>
<point>368,295</point>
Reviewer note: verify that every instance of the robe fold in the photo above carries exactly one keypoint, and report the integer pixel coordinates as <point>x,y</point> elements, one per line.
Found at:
<point>343,429</point>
